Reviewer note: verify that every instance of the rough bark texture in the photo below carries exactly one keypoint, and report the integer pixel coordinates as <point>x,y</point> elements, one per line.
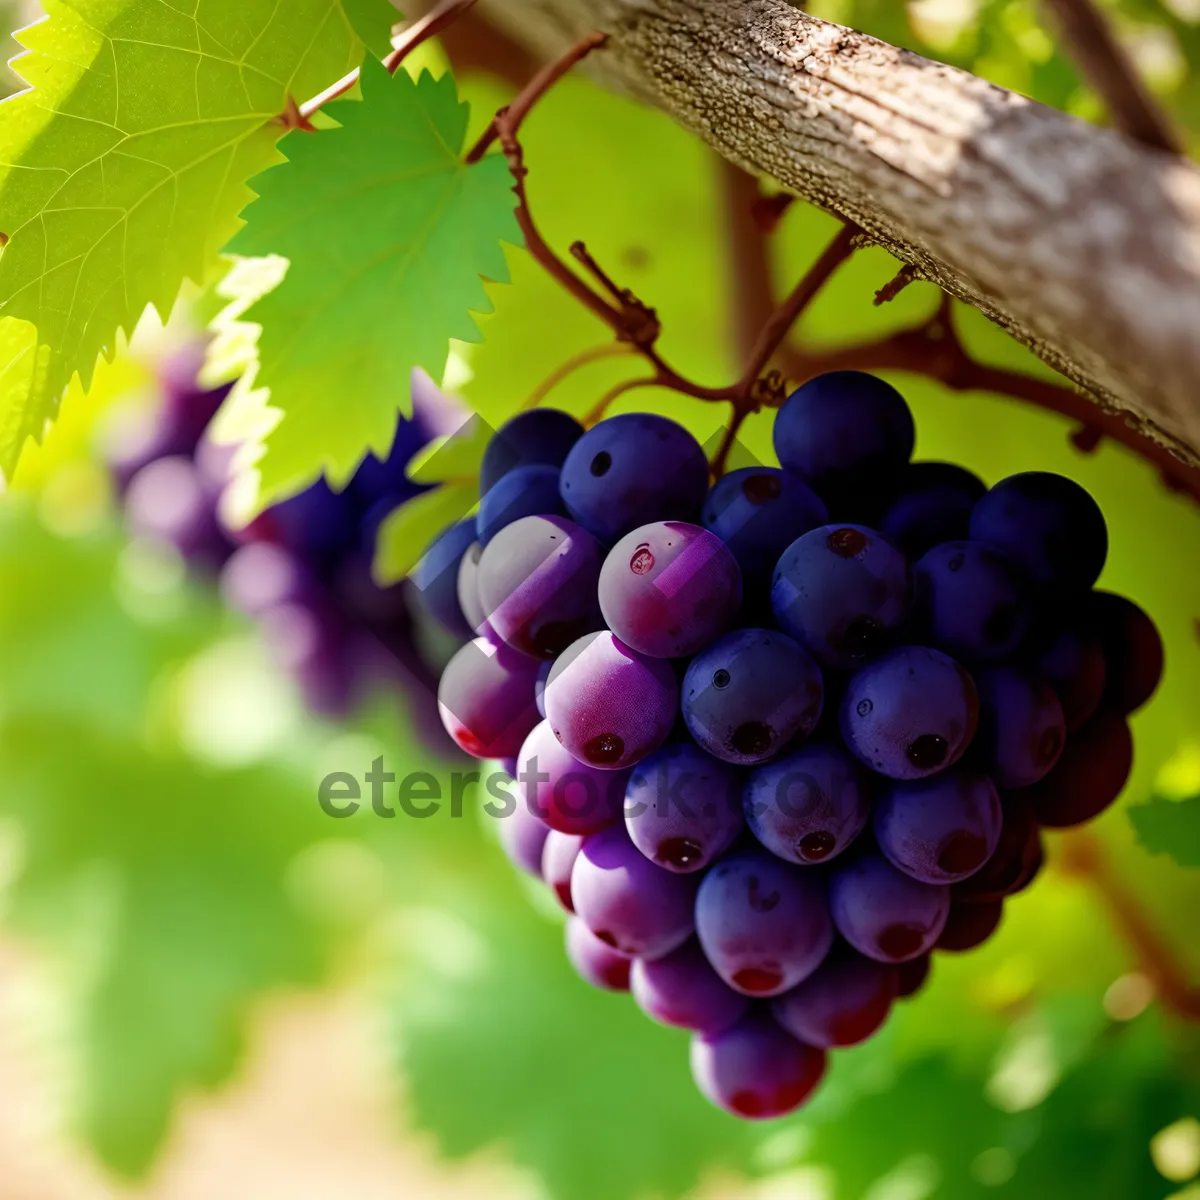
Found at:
<point>1080,242</point>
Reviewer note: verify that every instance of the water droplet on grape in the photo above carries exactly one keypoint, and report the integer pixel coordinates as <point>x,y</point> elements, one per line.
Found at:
<point>604,748</point>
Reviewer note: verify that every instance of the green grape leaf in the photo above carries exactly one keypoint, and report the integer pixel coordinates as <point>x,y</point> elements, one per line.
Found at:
<point>388,234</point>
<point>124,165</point>
<point>406,532</point>
<point>373,21</point>
<point>1170,827</point>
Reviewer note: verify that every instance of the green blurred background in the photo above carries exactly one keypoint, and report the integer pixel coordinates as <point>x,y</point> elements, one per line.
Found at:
<point>209,989</point>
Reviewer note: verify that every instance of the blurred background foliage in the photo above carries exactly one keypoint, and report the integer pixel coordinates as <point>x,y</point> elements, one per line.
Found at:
<point>165,867</point>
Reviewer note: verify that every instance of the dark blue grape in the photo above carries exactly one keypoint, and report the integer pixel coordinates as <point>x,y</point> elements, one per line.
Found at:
<point>318,524</point>
<point>1133,650</point>
<point>1072,661</point>
<point>933,504</point>
<point>1021,727</point>
<point>540,437</point>
<point>523,492</point>
<point>435,577</point>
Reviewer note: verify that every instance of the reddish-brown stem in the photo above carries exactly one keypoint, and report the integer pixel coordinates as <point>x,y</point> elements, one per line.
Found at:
<point>596,413</point>
<point>749,259</point>
<point>583,359</point>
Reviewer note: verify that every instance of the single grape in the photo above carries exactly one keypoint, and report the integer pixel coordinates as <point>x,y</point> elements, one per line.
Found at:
<point>609,705</point>
<point>746,696</point>
<point>558,861</point>
<point>1091,774</point>
<point>1072,661</point>
<point>1048,525</point>
<point>913,976</point>
<point>597,964</point>
<point>169,502</point>
<point>523,837</point>
<point>628,902</point>
<point>631,470</point>
<point>540,437</point>
<point>683,990</point>
<point>1133,651</point>
<point>758,512</point>
<point>885,914</point>
<point>435,577</point>
<point>567,794</point>
<point>485,698</point>
<point>843,428</point>
<point>810,805</point>
<point>940,830</point>
<point>842,1003</point>
<point>932,505</point>
<point>683,807</point>
<point>910,714</point>
<point>971,601</point>
<point>763,924</point>
<point>539,687</point>
<point>469,599</point>
<point>841,591</point>
<point>537,584</point>
<point>755,1069</point>
<point>670,588</point>
<point>522,492</point>
<point>1022,731</point>
<point>970,925</point>
<point>1015,861</point>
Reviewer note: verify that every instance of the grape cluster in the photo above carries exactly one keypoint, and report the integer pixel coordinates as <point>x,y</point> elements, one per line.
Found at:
<point>777,740</point>
<point>302,568</point>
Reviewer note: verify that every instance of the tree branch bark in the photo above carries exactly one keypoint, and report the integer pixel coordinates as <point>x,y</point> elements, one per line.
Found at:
<point>1082,243</point>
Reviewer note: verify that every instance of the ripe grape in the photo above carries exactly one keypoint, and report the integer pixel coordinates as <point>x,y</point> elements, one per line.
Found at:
<point>539,687</point>
<point>435,577</point>
<point>683,807</point>
<point>764,925</point>
<point>1022,731</point>
<point>631,470</point>
<point>841,591</point>
<point>259,577</point>
<point>910,714</point>
<point>1133,651</point>
<point>842,1003</point>
<point>683,990</point>
<point>317,525</point>
<point>748,694</point>
<point>540,437</point>
<point>913,976</point>
<point>940,830</point>
<point>755,1069</point>
<point>558,860</point>
<point>667,589</point>
<point>885,914</point>
<point>537,584</point>
<point>932,505</point>
<point>628,902</point>
<point>970,925</point>
<point>597,964</point>
<point>169,502</point>
<point>809,806</point>
<point>469,599</point>
<point>1093,770</point>
<point>1015,861</point>
<point>522,492</point>
<point>1072,662</point>
<point>1048,525</point>
<point>523,837</point>
<point>485,698</point>
<point>609,705</point>
<point>567,794</point>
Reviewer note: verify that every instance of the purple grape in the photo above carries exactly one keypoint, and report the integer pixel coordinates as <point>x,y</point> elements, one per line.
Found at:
<point>609,705</point>
<point>910,714</point>
<point>808,807</point>
<point>682,989</point>
<point>435,577</point>
<point>558,861</point>
<point>1073,663</point>
<point>758,512</point>
<point>844,428</point>
<point>932,505</point>
<point>539,687</point>
<point>523,492</point>
<point>1015,861</point>
<point>842,1003</point>
<point>913,976</point>
<point>940,830</point>
<point>683,807</point>
<point>485,698</point>
<point>567,794</point>
<point>1091,774</point>
<point>970,925</point>
<point>749,694</point>
<point>467,590</point>
<point>597,964</point>
<point>1021,727</point>
<point>537,584</point>
<point>755,1069</point>
<point>885,914</point>
<point>317,525</point>
<point>841,591</point>
<point>365,603</point>
<point>764,925</point>
<point>971,601</point>
<point>540,437</point>
<point>631,470</point>
<point>1133,651</point>
<point>260,576</point>
<point>523,837</point>
<point>169,502</point>
<point>1048,525</point>
<point>311,646</point>
<point>670,588</point>
<point>628,902</point>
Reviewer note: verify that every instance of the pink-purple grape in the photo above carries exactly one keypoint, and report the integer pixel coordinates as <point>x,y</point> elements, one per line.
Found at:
<point>932,504</point>
<point>530,491</point>
<point>669,588</point>
<point>682,989</point>
<point>1022,731</point>
<point>884,913</point>
<point>261,576</point>
<point>764,924</point>
<point>750,693</point>
<point>970,925</point>
<point>485,698</point>
<point>1133,650</point>
<point>940,830</point>
<point>683,807</point>
<point>756,1070</point>
<point>558,861</point>
<point>842,1003</point>
<point>168,501</point>
<point>910,714</point>
<point>1090,775</point>
<point>537,584</point>
<point>841,591</point>
<point>627,901</point>
<point>568,795</point>
<point>594,961</point>
<point>540,437</point>
<point>609,705</point>
<point>809,806</point>
<point>469,600</point>
<point>523,836</point>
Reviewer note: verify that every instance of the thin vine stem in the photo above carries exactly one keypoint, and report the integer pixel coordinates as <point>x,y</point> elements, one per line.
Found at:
<point>577,362</point>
